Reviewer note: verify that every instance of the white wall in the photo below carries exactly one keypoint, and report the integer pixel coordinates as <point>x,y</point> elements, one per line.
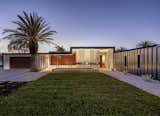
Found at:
<point>42,61</point>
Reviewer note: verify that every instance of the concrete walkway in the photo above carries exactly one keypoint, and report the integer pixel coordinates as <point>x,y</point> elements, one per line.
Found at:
<point>152,87</point>
<point>20,75</point>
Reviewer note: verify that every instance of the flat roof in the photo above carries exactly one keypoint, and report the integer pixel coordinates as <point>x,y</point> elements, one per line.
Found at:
<point>16,53</point>
<point>81,47</point>
<point>65,52</point>
<point>92,47</point>
<point>137,48</point>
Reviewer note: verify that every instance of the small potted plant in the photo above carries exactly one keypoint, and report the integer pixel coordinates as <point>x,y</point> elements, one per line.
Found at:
<point>125,72</point>
<point>114,69</point>
<point>147,77</point>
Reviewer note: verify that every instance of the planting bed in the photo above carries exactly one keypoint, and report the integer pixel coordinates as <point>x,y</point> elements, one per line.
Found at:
<point>7,87</point>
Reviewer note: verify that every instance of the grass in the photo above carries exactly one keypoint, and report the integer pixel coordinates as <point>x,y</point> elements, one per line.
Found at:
<point>79,94</point>
<point>7,87</point>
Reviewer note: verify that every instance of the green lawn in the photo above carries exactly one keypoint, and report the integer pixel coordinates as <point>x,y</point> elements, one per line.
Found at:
<point>79,94</point>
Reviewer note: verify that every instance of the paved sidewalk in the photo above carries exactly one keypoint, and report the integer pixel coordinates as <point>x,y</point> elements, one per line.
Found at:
<point>20,75</point>
<point>152,87</point>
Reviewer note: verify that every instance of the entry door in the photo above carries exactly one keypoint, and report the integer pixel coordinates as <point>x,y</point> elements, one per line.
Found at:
<point>101,63</point>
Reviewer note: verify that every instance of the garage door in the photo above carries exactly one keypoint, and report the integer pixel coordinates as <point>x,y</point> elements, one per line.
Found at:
<point>54,60</point>
<point>62,60</point>
<point>20,62</point>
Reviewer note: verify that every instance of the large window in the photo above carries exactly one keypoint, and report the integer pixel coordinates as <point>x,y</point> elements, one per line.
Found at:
<point>138,61</point>
<point>1,60</point>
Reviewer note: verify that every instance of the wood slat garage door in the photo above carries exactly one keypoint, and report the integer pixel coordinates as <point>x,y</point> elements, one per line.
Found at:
<point>62,60</point>
<point>20,62</point>
<point>68,60</point>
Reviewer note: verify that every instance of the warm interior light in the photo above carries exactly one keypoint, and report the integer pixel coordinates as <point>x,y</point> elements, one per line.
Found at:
<point>103,58</point>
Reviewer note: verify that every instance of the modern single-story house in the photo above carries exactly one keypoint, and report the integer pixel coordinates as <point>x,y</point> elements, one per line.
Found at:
<point>95,57</point>
<point>137,61</point>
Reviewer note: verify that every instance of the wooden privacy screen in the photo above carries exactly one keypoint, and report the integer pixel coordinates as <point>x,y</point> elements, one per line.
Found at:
<point>139,61</point>
<point>53,60</point>
<point>63,59</point>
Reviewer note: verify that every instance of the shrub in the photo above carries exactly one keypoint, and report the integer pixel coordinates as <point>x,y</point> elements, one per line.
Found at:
<point>147,77</point>
<point>125,72</point>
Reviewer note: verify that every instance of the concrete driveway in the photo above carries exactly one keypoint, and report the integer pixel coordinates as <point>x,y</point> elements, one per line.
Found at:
<point>19,75</point>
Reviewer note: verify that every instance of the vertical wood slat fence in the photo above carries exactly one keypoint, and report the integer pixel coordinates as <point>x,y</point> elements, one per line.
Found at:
<point>139,61</point>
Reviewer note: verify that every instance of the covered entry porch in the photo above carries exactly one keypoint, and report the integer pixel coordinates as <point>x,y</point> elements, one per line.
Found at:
<point>83,58</point>
<point>93,57</point>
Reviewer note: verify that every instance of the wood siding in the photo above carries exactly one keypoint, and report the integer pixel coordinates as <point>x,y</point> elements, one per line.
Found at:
<point>149,61</point>
<point>63,60</point>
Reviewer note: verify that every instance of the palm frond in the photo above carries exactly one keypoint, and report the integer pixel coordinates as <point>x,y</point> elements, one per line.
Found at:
<point>145,44</point>
<point>30,29</point>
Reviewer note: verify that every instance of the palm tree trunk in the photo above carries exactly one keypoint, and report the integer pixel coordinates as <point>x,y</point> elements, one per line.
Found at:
<point>33,63</point>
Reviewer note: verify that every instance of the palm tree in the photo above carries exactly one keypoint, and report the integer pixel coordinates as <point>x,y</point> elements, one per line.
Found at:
<point>31,29</point>
<point>145,44</point>
<point>121,49</point>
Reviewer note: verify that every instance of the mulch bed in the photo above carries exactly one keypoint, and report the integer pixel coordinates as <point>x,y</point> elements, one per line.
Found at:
<point>7,87</point>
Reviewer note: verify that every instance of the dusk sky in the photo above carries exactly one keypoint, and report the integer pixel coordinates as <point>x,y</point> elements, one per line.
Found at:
<point>90,22</point>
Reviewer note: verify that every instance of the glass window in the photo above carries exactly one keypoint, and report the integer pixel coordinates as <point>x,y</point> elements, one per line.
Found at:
<point>138,61</point>
<point>125,61</point>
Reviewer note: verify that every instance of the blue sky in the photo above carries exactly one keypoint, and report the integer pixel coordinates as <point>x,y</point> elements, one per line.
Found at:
<point>90,22</point>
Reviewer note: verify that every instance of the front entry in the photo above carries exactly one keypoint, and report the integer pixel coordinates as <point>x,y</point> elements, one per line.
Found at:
<point>100,64</point>
<point>102,61</point>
